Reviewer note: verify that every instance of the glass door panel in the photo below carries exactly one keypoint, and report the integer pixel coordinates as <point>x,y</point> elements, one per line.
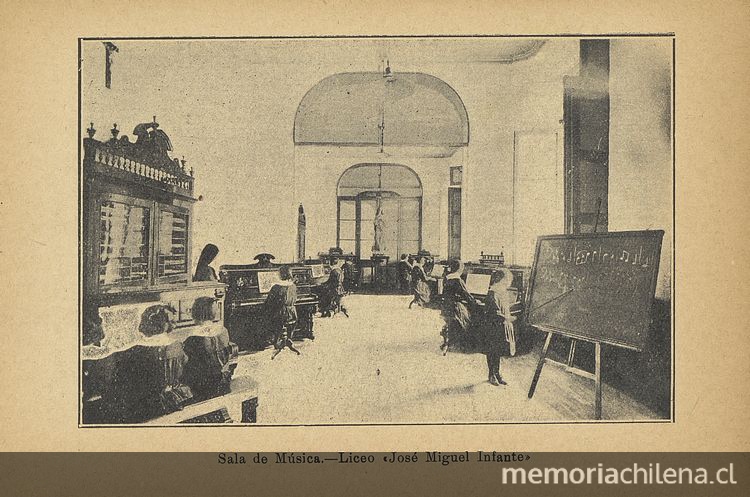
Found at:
<point>390,211</point>
<point>347,234</point>
<point>123,243</point>
<point>409,226</point>
<point>367,209</point>
<point>454,222</point>
<point>172,254</point>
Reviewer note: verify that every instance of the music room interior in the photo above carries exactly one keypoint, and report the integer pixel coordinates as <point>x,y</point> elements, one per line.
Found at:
<point>376,230</point>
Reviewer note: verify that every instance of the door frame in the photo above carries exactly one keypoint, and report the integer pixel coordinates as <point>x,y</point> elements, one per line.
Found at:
<point>454,248</point>
<point>367,195</point>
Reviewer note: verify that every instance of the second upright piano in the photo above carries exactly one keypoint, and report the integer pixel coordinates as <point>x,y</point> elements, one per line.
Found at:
<point>247,290</point>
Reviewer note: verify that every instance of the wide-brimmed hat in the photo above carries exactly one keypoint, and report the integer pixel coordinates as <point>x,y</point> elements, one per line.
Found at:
<point>264,255</point>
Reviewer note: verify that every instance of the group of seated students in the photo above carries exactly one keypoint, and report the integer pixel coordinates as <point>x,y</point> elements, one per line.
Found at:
<point>280,313</point>
<point>466,321</point>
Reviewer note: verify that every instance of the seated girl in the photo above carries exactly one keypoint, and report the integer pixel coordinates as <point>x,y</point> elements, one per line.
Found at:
<point>419,279</point>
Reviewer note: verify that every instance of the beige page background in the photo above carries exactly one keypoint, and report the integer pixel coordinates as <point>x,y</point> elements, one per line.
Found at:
<point>38,215</point>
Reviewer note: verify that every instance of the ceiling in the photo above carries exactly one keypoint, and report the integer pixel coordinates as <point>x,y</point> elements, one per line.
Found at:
<point>399,50</point>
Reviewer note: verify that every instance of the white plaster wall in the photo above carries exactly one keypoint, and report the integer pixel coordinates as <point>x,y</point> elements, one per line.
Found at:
<point>229,108</point>
<point>500,99</point>
<point>640,143</point>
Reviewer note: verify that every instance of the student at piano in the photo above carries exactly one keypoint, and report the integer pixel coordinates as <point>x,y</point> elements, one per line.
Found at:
<point>203,271</point>
<point>404,273</point>
<point>281,312</point>
<point>331,300</point>
<point>211,359</point>
<point>497,325</point>
<point>457,306</point>
<point>419,281</point>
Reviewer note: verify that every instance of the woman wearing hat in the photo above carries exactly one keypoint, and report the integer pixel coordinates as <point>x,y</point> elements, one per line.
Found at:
<point>498,323</point>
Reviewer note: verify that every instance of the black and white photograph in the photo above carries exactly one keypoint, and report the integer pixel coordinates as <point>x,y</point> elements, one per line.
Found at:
<point>376,230</point>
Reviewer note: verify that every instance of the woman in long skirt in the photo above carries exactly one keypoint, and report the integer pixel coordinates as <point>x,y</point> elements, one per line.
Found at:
<point>333,292</point>
<point>457,302</point>
<point>282,315</point>
<point>498,323</point>
<point>419,284</point>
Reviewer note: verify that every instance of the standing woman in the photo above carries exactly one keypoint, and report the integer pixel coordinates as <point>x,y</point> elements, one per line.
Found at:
<point>203,271</point>
<point>419,284</point>
<point>456,303</point>
<point>498,323</point>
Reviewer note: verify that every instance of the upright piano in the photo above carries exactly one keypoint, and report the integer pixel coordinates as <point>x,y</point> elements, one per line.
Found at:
<point>152,340</point>
<point>320,272</point>
<point>247,289</point>
<point>357,272</point>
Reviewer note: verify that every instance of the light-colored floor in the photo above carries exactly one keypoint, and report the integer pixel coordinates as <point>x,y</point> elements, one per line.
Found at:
<point>383,365</point>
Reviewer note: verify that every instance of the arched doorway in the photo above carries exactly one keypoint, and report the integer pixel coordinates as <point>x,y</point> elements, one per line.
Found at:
<point>363,119</point>
<point>396,191</point>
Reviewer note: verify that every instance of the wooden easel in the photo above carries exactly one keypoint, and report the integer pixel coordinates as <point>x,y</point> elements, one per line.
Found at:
<point>597,376</point>
<point>569,363</point>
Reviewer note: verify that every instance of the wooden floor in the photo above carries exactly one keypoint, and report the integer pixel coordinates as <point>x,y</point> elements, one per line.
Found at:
<point>383,365</point>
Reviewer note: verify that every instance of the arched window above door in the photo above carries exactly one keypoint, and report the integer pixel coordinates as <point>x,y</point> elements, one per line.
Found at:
<point>372,177</point>
<point>368,109</point>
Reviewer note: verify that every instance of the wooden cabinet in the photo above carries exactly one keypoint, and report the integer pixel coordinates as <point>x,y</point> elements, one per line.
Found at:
<point>146,326</point>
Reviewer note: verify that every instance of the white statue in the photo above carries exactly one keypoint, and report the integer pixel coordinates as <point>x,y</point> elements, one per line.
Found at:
<point>379,223</point>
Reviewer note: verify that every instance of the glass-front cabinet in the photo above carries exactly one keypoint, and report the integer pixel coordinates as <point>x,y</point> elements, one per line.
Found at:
<point>141,243</point>
<point>152,341</point>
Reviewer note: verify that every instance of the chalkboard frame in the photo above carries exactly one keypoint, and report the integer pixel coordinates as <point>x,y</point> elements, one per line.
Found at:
<point>657,234</point>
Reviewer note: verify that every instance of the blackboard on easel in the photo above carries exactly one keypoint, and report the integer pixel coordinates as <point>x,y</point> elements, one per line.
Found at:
<point>596,287</point>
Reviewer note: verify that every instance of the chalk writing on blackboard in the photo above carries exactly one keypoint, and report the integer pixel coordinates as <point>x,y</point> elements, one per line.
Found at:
<point>634,257</point>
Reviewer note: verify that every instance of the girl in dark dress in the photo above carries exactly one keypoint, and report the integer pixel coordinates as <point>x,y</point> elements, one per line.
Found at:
<point>497,324</point>
<point>419,284</point>
<point>457,302</point>
<point>282,314</point>
<point>211,359</point>
<point>203,271</point>
<point>333,292</point>
<point>404,274</point>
